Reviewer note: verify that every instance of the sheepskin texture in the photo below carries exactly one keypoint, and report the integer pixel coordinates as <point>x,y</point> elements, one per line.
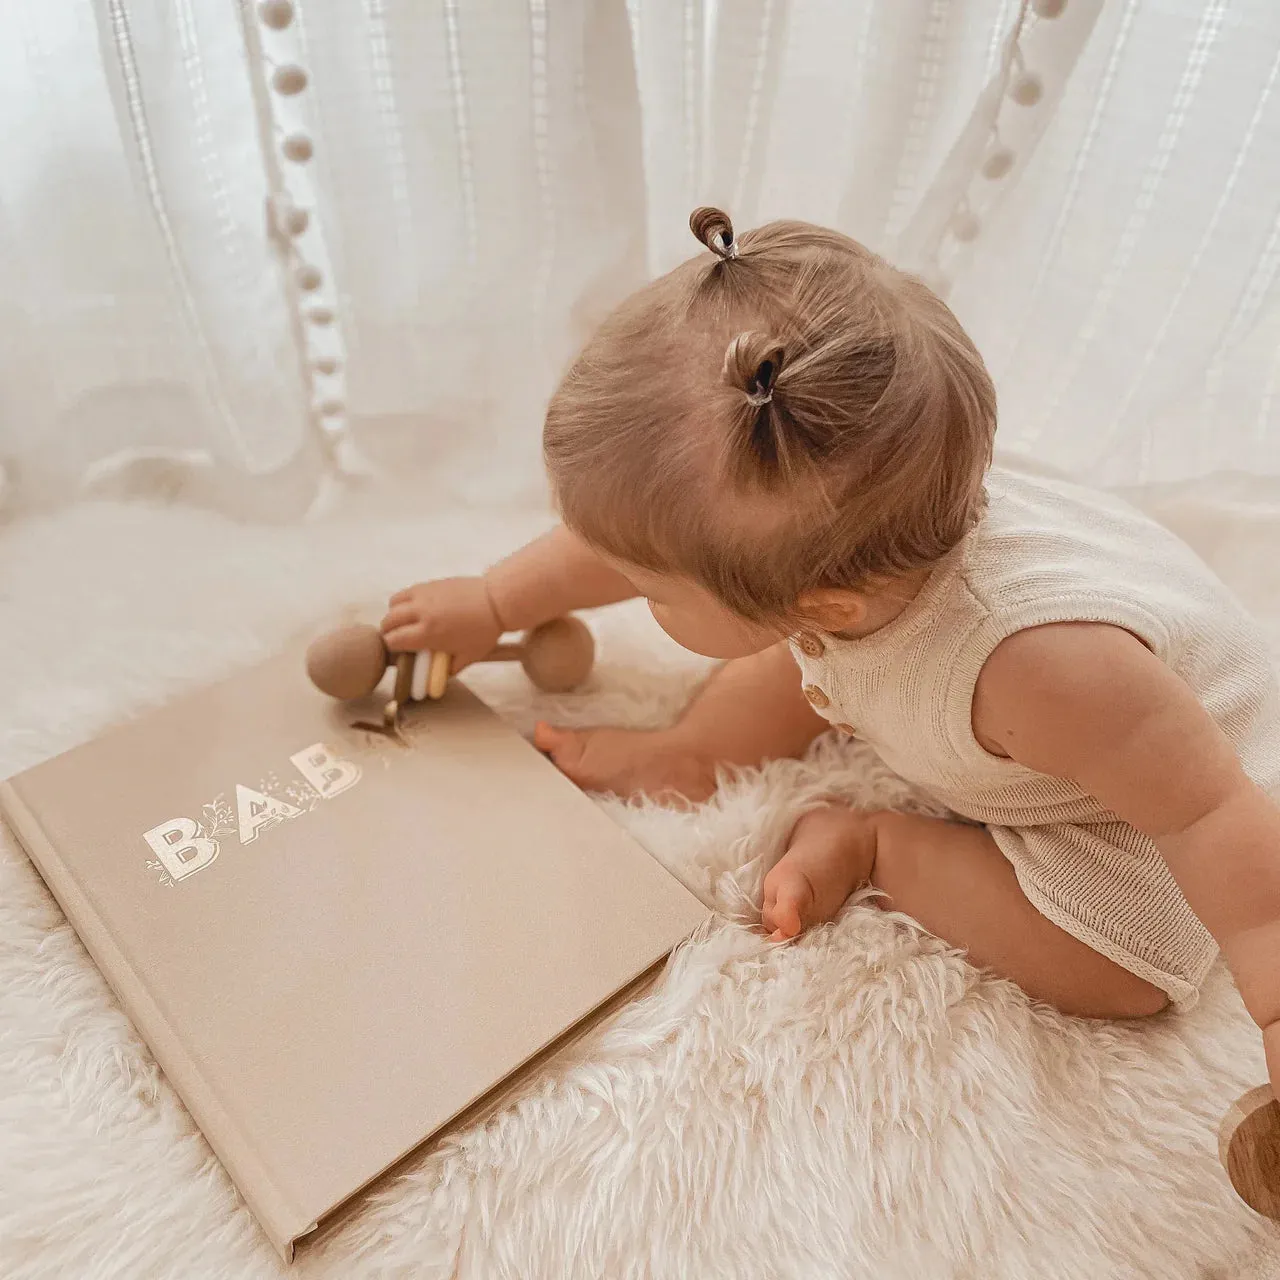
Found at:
<point>860,1103</point>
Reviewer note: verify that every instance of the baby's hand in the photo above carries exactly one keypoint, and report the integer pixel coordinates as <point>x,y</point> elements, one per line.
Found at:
<point>450,615</point>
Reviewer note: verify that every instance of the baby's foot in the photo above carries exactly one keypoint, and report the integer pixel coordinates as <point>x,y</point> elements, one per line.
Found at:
<point>628,762</point>
<point>830,853</point>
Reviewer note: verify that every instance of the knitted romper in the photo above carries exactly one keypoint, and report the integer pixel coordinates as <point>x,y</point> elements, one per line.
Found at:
<point>1050,552</point>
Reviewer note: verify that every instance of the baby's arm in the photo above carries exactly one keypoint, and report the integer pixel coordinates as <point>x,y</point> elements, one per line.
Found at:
<point>1091,703</point>
<point>551,575</point>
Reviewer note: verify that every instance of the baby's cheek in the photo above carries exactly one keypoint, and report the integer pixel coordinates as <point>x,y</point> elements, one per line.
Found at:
<point>660,614</point>
<point>671,623</point>
<point>711,638</point>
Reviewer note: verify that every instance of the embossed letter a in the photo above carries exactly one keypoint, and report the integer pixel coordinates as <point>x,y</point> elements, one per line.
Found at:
<point>256,811</point>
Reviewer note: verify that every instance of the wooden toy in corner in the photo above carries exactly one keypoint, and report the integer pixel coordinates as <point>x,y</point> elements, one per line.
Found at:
<point>1249,1147</point>
<point>351,662</point>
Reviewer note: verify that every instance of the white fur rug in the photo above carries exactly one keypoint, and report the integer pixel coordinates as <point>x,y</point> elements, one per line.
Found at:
<point>860,1104</point>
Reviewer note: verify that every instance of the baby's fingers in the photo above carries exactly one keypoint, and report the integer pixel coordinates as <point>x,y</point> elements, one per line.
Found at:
<point>401,615</point>
<point>405,639</point>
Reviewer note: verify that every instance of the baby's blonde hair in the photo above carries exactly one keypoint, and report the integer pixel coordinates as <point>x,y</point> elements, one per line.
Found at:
<point>786,412</point>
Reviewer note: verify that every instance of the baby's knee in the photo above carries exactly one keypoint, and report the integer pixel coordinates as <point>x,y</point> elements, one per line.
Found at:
<point>1124,995</point>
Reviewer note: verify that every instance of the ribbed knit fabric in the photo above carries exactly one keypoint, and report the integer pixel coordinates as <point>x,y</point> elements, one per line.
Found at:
<point>1051,552</point>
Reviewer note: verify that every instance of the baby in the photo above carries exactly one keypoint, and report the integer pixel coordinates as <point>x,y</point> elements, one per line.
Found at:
<point>785,445</point>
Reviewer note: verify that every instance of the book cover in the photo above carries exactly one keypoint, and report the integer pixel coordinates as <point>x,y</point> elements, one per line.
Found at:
<point>336,941</point>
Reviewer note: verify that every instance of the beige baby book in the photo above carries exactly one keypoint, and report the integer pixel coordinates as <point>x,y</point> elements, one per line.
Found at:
<point>336,941</point>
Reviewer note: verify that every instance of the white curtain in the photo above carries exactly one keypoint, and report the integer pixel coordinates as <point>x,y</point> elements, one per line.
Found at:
<point>141,306</point>
<point>245,247</point>
<point>477,167</point>
<point>1126,295</point>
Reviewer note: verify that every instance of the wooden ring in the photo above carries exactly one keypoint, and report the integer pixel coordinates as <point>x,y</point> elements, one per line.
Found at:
<point>438,675</point>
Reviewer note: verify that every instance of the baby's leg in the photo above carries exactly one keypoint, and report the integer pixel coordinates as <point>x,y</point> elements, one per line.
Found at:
<point>750,711</point>
<point>954,880</point>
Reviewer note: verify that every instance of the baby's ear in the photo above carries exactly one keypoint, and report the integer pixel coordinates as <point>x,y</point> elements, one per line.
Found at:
<point>832,609</point>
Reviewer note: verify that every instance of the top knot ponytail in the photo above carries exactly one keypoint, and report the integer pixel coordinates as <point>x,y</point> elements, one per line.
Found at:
<point>764,443</point>
<point>713,228</point>
<point>752,362</point>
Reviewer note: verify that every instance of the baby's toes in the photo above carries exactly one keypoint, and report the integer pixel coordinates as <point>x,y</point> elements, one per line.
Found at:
<point>565,747</point>
<point>788,900</point>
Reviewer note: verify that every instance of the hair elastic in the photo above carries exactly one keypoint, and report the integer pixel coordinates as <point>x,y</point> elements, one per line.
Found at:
<point>761,391</point>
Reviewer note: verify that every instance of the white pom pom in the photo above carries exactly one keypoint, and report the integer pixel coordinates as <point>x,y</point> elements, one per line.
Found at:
<point>351,462</point>
<point>289,80</point>
<point>998,163</point>
<point>276,14</point>
<point>1027,89</point>
<point>298,148</point>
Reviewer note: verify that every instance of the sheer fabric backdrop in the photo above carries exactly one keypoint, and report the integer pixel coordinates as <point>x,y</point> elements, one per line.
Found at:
<point>140,304</point>
<point>245,246</point>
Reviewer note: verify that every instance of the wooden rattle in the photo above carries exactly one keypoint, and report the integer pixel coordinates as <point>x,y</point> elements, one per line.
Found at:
<point>1249,1148</point>
<point>350,663</point>
<point>556,656</point>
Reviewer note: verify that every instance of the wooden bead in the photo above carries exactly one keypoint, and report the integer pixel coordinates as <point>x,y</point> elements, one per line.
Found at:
<point>438,675</point>
<point>1249,1148</point>
<point>557,656</point>
<point>349,662</point>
